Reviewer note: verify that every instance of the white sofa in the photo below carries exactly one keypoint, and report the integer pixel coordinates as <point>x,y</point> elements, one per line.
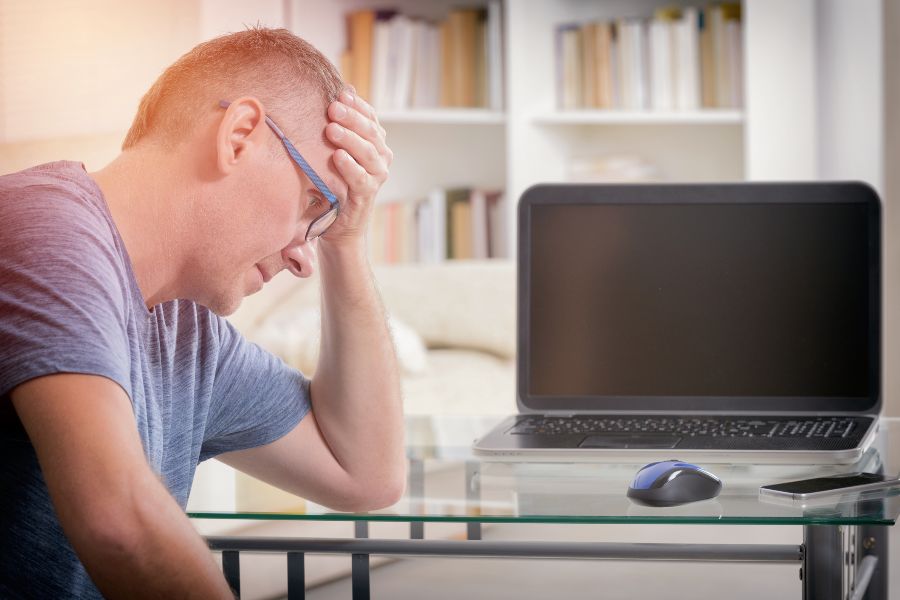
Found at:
<point>453,325</point>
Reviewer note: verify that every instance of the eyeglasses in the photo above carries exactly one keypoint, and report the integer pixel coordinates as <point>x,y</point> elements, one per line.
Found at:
<point>321,223</point>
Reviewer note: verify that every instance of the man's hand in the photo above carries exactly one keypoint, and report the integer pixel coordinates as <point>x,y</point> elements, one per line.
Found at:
<point>362,159</point>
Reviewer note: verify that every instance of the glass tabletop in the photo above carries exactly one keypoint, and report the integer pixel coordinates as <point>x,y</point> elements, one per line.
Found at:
<point>449,483</point>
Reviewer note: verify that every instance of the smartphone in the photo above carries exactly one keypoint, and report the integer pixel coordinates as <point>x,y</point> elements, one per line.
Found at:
<point>821,487</point>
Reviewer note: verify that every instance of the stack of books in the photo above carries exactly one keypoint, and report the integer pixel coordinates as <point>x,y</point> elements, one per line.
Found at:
<point>681,59</point>
<point>451,223</point>
<point>398,62</point>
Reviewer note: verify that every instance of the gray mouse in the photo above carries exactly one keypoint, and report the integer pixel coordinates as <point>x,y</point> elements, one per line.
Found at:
<point>672,482</point>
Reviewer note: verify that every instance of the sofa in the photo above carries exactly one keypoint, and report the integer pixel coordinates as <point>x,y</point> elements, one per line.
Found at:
<point>453,325</point>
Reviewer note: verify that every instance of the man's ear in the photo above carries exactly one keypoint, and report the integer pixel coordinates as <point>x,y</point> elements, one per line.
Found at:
<point>242,129</point>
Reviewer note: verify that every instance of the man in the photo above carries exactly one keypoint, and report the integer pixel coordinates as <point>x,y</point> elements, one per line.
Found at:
<point>117,372</point>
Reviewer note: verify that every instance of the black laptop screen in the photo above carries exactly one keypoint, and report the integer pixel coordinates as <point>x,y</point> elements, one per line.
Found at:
<point>704,300</point>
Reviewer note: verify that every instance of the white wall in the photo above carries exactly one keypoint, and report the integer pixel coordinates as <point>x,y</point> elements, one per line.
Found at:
<point>850,91</point>
<point>892,207</point>
<point>780,90</point>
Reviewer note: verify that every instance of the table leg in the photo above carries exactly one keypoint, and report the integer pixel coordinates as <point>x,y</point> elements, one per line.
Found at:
<point>417,497</point>
<point>844,562</point>
<point>359,566</point>
<point>296,585</point>
<point>231,568</point>
<point>473,498</point>
<point>872,543</point>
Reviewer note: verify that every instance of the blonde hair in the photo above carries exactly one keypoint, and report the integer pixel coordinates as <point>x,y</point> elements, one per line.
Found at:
<point>292,79</point>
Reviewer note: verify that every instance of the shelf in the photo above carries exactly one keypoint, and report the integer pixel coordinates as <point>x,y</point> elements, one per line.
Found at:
<point>641,117</point>
<point>445,116</point>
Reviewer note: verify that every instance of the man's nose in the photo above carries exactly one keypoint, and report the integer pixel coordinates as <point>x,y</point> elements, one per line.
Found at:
<point>299,258</point>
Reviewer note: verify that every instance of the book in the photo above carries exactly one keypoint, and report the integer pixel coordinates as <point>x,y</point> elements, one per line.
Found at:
<point>604,63</point>
<point>569,42</point>
<point>590,70</point>
<point>360,26</point>
<point>458,223</point>
<point>437,228</point>
<point>400,62</point>
<point>625,65</point>
<point>660,61</point>
<point>708,84</point>
<point>494,49</point>
<point>380,95</point>
<point>734,54</point>
<point>687,52</point>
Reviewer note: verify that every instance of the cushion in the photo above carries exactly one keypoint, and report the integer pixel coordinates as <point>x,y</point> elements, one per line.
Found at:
<point>455,304</point>
<point>294,336</point>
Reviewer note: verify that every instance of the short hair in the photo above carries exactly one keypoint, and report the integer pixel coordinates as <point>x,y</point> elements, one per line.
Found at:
<point>289,76</point>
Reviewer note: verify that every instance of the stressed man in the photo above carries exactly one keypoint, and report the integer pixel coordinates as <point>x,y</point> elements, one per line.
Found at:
<point>117,372</point>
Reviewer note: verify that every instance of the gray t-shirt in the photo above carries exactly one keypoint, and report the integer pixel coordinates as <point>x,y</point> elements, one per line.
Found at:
<point>70,303</point>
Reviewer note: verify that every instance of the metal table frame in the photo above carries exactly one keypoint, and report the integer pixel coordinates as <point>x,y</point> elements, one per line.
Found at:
<point>837,562</point>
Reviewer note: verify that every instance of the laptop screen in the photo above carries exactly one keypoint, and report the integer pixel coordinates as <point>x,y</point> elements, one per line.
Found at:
<point>703,305</point>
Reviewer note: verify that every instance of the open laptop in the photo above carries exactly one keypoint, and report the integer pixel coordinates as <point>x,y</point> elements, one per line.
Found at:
<point>719,323</point>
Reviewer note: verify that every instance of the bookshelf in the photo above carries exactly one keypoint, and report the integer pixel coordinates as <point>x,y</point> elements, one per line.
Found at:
<point>776,134</point>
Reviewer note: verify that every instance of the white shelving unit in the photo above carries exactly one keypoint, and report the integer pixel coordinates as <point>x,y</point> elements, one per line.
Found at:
<point>777,135</point>
<point>438,116</point>
<point>642,117</point>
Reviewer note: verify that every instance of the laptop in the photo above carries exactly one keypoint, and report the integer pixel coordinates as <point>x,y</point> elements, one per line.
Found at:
<point>729,323</point>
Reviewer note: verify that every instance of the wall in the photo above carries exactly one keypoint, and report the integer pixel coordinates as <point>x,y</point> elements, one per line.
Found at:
<point>892,206</point>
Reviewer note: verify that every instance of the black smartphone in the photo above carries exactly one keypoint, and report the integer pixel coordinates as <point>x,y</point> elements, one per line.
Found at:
<point>819,487</point>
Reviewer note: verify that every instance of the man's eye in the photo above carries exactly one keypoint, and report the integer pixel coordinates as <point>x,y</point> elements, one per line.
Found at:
<point>315,202</point>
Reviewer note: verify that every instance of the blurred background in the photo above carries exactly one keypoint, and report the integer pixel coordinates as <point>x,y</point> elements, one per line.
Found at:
<point>482,100</point>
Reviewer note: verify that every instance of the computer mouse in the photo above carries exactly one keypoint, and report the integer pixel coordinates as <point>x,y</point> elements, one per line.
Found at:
<point>672,482</point>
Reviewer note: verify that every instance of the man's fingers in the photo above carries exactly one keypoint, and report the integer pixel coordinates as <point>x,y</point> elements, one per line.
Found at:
<point>351,118</point>
<point>358,179</point>
<point>355,121</point>
<point>350,98</point>
<point>363,151</point>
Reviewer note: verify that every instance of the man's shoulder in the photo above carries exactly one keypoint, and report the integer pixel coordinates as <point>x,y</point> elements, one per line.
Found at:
<point>60,191</point>
<point>55,206</point>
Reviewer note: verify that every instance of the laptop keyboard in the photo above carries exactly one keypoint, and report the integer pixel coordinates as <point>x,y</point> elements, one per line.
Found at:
<point>696,432</point>
<point>823,427</point>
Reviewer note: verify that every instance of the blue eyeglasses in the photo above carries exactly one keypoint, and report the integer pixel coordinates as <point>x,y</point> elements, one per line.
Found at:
<point>321,223</point>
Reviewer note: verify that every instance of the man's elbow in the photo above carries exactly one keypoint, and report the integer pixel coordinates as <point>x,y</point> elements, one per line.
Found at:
<point>110,534</point>
<point>375,494</point>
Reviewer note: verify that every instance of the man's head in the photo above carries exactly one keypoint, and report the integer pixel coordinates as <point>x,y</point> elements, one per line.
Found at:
<point>252,199</point>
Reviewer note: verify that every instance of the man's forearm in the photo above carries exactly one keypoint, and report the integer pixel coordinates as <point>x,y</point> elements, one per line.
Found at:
<point>150,551</point>
<point>356,388</point>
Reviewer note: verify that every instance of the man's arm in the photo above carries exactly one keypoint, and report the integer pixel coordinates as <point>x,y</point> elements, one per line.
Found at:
<point>127,530</point>
<point>348,453</point>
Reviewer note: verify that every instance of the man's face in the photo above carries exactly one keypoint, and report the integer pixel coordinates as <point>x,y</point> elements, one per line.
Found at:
<point>272,204</point>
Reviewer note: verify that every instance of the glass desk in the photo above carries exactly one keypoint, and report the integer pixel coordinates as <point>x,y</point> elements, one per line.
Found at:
<point>843,554</point>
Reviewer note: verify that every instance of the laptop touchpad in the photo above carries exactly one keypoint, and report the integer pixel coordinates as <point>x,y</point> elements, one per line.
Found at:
<point>629,441</point>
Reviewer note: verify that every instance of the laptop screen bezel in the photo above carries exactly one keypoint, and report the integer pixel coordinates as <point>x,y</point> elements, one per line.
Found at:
<point>767,193</point>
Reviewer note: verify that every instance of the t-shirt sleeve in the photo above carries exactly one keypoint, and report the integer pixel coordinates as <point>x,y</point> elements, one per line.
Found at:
<point>62,294</point>
<point>257,398</point>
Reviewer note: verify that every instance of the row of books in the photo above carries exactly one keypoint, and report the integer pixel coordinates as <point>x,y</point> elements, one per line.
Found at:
<point>399,62</point>
<point>451,223</point>
<point>681,59</point>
